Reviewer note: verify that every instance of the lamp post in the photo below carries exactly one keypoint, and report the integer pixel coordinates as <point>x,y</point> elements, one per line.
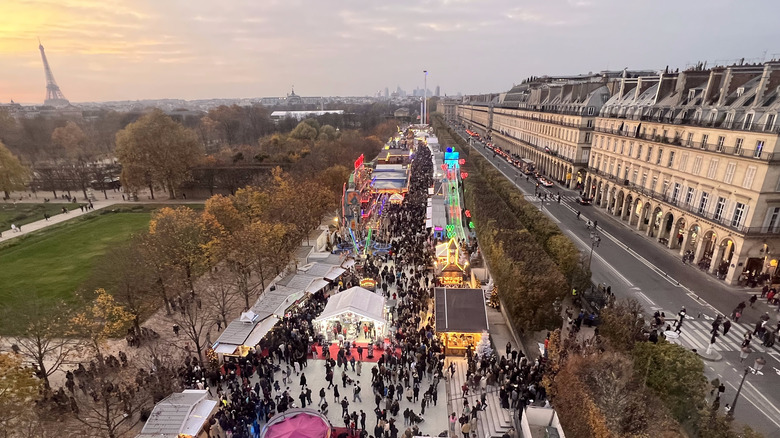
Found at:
<point>425,98</point>
<point>755,369</point>
<point>595,240</point>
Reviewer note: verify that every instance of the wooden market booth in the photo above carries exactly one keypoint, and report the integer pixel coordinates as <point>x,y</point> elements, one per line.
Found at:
<point>461,318</point>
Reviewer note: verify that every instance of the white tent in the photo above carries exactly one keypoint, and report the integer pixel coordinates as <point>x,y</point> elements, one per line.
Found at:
<point>357,301</point>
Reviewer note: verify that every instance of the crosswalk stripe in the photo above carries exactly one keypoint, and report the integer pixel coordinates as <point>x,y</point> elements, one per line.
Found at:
<point>696,333</point>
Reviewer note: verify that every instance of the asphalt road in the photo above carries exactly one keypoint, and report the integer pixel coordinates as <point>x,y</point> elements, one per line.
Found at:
<point>638,267</point>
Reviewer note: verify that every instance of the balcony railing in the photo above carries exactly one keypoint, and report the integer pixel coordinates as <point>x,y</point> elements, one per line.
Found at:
<point>540,149</point>
<point>760,155</point>
<point>560,123</point>
<point>731,126</point>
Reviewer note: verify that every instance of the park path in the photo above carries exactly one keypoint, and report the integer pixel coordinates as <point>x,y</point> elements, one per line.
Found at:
<point>74,211</point>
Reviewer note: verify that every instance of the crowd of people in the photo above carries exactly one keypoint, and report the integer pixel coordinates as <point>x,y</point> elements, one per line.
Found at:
<point>406,377</point>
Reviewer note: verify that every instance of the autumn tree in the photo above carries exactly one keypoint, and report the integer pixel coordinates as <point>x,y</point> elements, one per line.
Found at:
<point>304,131</point>
<point>222,296</point>
<point>18,392</point>
<point>101,319</point>
<point>180,238</point>
<point>13,174</point>
<point>42,341</point>
<point>124,272</point>
<point>156,150</point>
<point>623,324</point>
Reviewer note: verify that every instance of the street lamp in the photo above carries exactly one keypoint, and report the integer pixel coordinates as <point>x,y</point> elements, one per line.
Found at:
<point>595,240</point>
<point>755,369</point>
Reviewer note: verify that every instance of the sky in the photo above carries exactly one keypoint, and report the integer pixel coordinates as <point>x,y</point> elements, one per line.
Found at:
<point>102,50</point>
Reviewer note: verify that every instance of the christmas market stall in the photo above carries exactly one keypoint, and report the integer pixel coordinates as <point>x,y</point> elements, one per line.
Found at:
<point>180,415</point>
<point>450,265</point>
<point>346,312</point>
<point>461,318</point>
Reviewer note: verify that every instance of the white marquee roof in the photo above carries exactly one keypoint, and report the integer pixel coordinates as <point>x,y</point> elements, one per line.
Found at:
<point>356,300</point>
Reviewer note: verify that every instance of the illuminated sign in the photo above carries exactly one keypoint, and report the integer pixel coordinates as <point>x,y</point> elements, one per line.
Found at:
<point>464,175</point>
<point>396,198</point>
<point>359,161</point>
<point>451,156</point>
<point>450,231</point>
<point>368,283</point>
<point>468,213</point>
<point>451,281</point>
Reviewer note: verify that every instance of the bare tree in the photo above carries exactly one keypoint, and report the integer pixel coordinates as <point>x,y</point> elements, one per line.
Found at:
<point>222,296</point>
<point>195,321</point>
<point>41,341</point>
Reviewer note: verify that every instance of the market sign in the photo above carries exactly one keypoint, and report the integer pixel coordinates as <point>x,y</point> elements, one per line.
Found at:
<point>396,198</point>
<point>451,281</point>
<point>368,283</point>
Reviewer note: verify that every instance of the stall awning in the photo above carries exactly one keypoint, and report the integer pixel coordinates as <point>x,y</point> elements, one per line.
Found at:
<point>225,348</point>
<point>355,300</point>
<point>316,285</point>
<point>334,273</point>
<point>260,331</point>
<point>348,263</point>
<point>460,310</point>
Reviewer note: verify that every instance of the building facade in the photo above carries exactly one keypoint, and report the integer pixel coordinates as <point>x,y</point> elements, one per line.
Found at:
<point>447,107</point>
<point>692,160</point>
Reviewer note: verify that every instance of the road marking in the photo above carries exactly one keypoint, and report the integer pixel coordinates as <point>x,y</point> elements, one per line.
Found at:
<point>596,255</point>
<point>644,297</point>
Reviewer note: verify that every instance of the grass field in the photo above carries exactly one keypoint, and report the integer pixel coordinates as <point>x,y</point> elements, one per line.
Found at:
<point>22,213</point>
<point>51,264</point>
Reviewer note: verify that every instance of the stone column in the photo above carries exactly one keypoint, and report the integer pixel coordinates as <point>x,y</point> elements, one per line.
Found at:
<point>686,236</point>
<point>717,255</point>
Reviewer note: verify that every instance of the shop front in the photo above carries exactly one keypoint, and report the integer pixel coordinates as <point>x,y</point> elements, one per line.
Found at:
<point>461,319</point>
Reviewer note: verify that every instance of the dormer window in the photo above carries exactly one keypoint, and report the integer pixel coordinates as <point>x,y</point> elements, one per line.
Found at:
<point>691,95</point>
<point>740,91</point>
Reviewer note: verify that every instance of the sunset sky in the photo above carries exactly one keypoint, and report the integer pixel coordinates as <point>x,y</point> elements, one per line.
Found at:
<point>192,49</point>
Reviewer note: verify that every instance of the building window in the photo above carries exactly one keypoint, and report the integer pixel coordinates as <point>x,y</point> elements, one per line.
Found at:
<point>631,149</point>
<point>633,179</point>
<point>712,171</point>
<point>704,139</point>
<point>676,192</point>
<point>655,131</point>
<point>591,110</point>
<point>750,174</point>
<point>649,152</point>
<point>671,159</point>
<point>705,197</point>
<point>759,148</point>
<point>696,165</point>
<point>590,123</point>
<point>721,140</point>
<point>665,187</point>
<point>689,196</point>
<point>731,167</point>
<point>660,155</point>
<point>689,142</point>
<point>639,151</point>
<point>739,214</point>
<point>770,122</point>
<point>773,219</point>
<point>587,137</point>
<point>683,162</point>
<point>618,170</point>
<point>748,122</point>
<point>655,183</point>
<point>622,146</point>
<point>644,179</point>
<point>738,146</point>
<point>719,207</point>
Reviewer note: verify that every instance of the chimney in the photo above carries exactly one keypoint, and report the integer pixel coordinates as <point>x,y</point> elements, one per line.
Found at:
<point>763,84</point>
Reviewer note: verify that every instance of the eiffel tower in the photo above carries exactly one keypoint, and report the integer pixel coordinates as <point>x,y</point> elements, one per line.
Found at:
<point>54,96</point>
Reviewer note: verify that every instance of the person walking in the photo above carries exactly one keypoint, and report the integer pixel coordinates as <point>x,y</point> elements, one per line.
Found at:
<point>344,407</point>
<point>466,429</point>
<point>322,397</point>
<point>726,327</point>
<point>356,393</point>
<point>453,421</point>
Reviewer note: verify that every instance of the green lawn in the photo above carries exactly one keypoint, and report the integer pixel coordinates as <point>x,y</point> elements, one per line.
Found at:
<point>53,263</point>
<point>22,213</point>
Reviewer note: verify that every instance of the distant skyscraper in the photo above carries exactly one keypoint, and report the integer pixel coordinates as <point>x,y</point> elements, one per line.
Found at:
<point>438,90</point>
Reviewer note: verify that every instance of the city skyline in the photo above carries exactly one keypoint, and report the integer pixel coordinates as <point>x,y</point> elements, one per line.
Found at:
<point>118,50</point>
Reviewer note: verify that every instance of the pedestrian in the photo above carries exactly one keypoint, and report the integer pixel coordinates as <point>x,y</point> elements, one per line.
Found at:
<point>753,300</point>
<point>344,407</point>
<point>336,393</point>
<point>176,329</point>
<point>303,379</point>
<point>356,393</point>
<point>322,397</point>
<point>466,429</point>
<point>726,327</point>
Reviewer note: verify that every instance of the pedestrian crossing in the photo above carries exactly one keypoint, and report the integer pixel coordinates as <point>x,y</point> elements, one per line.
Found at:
<point>551,198</point>
<point>695,333</point>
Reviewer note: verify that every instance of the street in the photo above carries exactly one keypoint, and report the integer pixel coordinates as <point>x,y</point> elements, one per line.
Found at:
<point>638,267</point>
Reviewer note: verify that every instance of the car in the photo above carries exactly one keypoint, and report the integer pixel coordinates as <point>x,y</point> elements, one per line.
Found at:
<point>583,201</point>
<point>545,182</point>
